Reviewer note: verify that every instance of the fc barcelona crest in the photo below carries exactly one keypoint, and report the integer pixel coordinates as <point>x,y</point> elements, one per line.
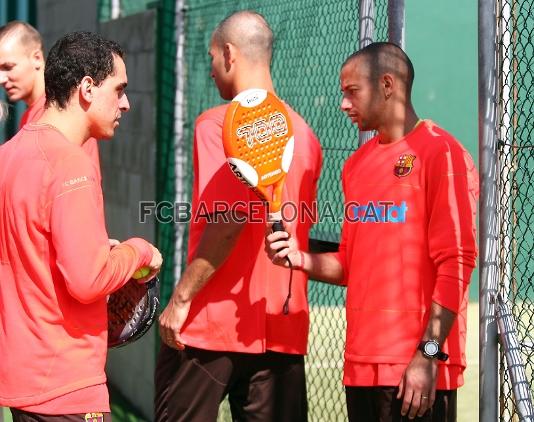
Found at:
<point>94,417</point>
<point>404,165</point>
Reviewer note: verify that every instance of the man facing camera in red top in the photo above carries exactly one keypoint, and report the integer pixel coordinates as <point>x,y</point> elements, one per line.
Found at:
<point>407,249</point>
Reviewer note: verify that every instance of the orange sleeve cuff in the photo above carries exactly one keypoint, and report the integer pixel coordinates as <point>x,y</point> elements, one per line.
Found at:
<point>143,249</point>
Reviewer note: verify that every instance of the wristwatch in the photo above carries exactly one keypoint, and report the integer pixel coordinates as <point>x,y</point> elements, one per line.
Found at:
<point>430,349</point>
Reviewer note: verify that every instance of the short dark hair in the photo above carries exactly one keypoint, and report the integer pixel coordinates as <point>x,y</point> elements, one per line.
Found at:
<point>384,57</point>
<point>74,56</point>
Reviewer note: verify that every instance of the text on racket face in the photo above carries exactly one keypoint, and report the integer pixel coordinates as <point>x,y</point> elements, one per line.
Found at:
<point>243,179</point>
<point>262,130</point>
<point>271,174</point>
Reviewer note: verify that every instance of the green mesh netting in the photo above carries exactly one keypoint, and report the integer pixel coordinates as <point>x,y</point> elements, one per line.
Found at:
<point>126,7</point>
<point>165,188</point>
<point>516,191</point>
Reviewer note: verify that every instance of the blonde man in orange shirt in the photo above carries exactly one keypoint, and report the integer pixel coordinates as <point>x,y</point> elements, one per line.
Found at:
<point>22,75</point>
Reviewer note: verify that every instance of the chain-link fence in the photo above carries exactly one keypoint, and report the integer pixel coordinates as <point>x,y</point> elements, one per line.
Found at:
<point>166,136</point>
<point>515,49</point>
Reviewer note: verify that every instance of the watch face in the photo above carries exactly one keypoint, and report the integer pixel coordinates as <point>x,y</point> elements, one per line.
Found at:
<point>431,348</point>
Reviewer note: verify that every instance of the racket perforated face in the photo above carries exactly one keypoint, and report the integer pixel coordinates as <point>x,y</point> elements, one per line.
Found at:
<point>258,143</point>
<point>131,311</point>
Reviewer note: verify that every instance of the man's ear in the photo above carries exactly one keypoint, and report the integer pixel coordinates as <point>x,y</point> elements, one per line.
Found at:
<point>230,54</point>
<point>86,88</point>
<point>38,59</point>
<point>388,84</point>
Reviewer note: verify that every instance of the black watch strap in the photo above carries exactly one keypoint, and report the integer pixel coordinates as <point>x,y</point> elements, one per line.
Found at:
<point>431,350</point>
<point>442,356</point>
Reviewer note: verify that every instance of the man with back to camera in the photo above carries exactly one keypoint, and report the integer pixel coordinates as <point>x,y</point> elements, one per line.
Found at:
<point>22,74</point>
<point>408,247</point>
<point>224,330</point>
<point>56,264</point>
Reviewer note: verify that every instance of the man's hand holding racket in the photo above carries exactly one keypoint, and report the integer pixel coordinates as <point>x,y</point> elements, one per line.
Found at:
<point>147,273</point>
<point>280,247</point>
<point>133,308</point>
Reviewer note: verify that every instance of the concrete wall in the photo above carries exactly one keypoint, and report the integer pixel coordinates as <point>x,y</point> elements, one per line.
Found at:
<point>55,18</point>
<point>127,162</point>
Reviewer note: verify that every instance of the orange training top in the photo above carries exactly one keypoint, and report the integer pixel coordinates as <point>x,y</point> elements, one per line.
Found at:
<point>36,110</point>
<point>56,271</point>
<point>240,307</point>
<point>408,239</point>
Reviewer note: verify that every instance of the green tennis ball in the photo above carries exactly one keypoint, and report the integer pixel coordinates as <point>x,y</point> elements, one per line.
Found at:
<point>141,272</point>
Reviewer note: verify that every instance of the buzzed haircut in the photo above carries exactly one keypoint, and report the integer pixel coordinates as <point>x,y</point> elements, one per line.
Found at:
<point>249,32</point>
<point>386,57</point>
<point>27,35</point>
<point>73,57</point>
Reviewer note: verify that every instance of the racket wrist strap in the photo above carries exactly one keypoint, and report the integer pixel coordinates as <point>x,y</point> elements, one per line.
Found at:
<point>285,308</point>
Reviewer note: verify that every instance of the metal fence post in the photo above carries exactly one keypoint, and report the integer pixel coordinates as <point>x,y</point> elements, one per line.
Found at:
<point>489,234</point>
<point>115,9</point>
<point>180,142</point>
<point>367,33</point>
<point>396,22</point>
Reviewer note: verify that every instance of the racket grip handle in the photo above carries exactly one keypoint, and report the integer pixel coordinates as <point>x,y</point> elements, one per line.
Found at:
<point>278,226</point>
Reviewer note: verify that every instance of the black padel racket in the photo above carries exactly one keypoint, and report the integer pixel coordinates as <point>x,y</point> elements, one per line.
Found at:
<point>131,311</point>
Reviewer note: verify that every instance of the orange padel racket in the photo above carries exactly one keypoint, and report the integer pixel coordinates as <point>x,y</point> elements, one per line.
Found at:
<point>258,143</point>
